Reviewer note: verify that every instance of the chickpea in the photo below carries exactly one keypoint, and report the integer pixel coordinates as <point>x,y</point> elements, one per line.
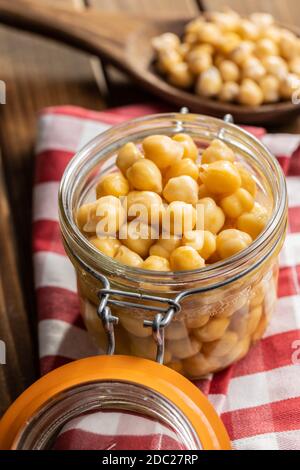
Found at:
<point>185,258</point>
<point>232,241</point>
<point>176,365</point>
<point>145,176</point>
<point>229,42</point>
<point>261,327</point>
<point>146,205</point>
<point>288,45</point>
<point>181,188</point>
<point>229,71</point>
<point>133,324</point>
<point>86,213</point>
<point>213,330</point>
<point>262,20</point>
<point>105,216</point>
<point>209,33</point>
<point>176,330</point>
<point>179,217</point>
<point>242,52</point>
<point>203,192</point>
<point>107,246</point>
<point>146,347</point>
<point>266,46</point>
<point>273,33</point>
<point>252,68</point>
<point>139,238</point>
<point>199,60</point>
<point>162,150</point>
<point>193,238</point>
<point>248,30</point>
<point>213,216</point>
<point>127,156</point>
<point>195,25</point>
<point>276,66</point>
<point>294,65</point>
<point>209,82</point>
<point>186,167</point>
<point>209,245</point>
<point>114,184</point>
<point>165,41</point>
<point>250,93</point>
<point>237,203</point>
<point>197,320</point>
<point>257,295</point>
<point>167,58</point>
<point>222,346</point>
<point>156,263</point>
<point>239,351</point>
<point>254,318</point>
<point>220,177</point>
<point>248,181</point>
<point>288,85</point>
<point>184,347</point>
<point>180,75</point>
<point>190,150</point>
<point>253,222</point>
<point>218,59</point>
<point>217,150</point>
<point>164,246</point>
<point>199,365</point>
<point>226,21</point>
<point>229,92</point>
<point>129,257</point>
<point>270,88</point>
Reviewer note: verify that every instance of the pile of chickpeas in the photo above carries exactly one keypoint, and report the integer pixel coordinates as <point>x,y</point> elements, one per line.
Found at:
<point>166,175</point>
<point>222,55</point>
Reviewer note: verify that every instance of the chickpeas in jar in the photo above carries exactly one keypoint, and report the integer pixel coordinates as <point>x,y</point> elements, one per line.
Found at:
<point>204,225</point>
<point>224,56</point>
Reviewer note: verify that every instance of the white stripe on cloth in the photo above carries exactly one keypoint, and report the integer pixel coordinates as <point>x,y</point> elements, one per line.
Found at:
<point>59,338</point>
<point>273,441</point>
<point>262,388</point>
<point>293,190</point>
<point>118,424</point>
<point>290,254</point>
<point>281,144</point>
<point>286,316</point>
<point>45,201</point>
<point>78,133</point>
<point>54,270</point>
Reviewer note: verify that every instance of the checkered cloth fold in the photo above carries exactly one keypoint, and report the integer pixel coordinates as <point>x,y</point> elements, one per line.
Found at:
<point>259,397</point>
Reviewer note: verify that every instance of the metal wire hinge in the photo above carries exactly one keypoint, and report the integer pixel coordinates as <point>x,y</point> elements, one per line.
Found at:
<point>163,317</point>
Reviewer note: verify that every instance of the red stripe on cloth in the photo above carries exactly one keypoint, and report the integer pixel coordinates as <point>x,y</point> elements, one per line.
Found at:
<point>284,162</point>
<point>114,116</point>
<point>77,439</point>
<point>51,164</point>
<point>48,363</point>
<point>47,237</point>
<point>56,303</point>
<point>288,281</point>
<point>294,168</point>
<point>294,218</point>
<point>273,417</point>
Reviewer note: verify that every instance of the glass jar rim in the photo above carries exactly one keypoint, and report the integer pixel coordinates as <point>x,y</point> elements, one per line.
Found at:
<point>257,251</point>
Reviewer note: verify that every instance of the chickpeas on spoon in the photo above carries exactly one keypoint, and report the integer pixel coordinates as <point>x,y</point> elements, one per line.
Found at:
<point>126,41</point>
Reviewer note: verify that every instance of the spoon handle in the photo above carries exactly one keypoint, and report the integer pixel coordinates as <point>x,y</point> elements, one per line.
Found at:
<point>99,33</point>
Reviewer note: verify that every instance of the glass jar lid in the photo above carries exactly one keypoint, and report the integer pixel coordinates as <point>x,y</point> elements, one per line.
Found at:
<point>113,403</point>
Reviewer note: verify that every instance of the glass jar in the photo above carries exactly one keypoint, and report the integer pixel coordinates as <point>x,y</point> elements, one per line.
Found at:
<point>211,316</point>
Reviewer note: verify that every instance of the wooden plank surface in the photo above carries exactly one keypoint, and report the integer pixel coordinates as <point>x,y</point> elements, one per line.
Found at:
<point>40,73</point>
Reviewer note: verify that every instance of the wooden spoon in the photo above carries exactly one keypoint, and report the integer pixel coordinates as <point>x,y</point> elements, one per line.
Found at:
<point>125,41</point>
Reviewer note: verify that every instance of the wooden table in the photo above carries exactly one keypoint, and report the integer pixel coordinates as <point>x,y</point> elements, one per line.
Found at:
<point>39,73</point>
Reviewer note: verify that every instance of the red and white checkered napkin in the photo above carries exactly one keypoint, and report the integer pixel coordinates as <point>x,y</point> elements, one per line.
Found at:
<point>257,398</point>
